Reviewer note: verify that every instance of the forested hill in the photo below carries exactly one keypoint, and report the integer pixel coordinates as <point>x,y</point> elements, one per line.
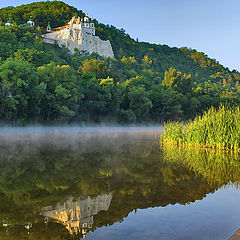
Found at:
<point>145,82</point>
<point>162,56</point>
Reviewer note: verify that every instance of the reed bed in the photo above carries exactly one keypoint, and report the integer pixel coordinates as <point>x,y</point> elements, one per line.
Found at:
<point>216,128</point>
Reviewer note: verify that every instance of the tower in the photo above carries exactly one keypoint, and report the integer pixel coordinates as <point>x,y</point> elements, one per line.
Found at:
<point>92,27</point>
<point>86,21</point>
<point>49,29</point>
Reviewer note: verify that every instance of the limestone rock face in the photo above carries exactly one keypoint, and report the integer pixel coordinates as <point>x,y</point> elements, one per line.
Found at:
<point>80,34</point>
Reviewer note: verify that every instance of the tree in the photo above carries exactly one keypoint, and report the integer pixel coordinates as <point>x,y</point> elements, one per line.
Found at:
<point>18,83</point>
<point>185,84</point>
<point>172,107</point>
<point>37,58</point>
<point>98,68</point>
<point>171,78</point>
<point>140,103</point>
<point>62,94</point>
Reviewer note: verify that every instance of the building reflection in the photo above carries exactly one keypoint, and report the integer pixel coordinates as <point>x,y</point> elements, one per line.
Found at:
<point>77,214</point>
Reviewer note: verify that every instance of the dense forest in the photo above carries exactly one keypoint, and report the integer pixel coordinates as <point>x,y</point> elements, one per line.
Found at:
<point>144,83</point>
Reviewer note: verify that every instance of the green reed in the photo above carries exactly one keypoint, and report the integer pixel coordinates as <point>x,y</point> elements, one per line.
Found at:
<point>216,128</point>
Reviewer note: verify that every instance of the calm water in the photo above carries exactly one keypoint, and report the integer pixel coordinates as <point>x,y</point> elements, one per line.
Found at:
<point>113,183</point>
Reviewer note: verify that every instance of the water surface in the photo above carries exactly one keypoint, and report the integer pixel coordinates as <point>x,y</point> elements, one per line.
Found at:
<point>113,183</point>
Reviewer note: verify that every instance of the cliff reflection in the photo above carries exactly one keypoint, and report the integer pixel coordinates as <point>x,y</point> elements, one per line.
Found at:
<point>77,215</point>
<point>71,185</point>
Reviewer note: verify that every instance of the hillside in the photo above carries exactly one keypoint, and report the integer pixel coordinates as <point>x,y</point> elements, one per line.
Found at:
<point>145,82</point>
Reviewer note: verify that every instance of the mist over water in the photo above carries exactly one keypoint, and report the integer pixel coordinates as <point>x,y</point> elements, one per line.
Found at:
<point>85,139</point>
<point>113,181</point>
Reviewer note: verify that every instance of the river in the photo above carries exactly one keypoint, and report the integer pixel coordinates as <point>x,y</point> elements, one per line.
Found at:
<point>113,183</point>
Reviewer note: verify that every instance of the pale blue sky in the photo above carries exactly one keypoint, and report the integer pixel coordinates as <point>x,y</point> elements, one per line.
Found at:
<point>211,26</point>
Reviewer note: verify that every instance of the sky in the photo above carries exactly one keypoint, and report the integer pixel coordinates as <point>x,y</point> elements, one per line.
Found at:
<point>210,26</point>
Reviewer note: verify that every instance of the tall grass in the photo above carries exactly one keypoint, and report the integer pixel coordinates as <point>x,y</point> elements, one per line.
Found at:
<point>216,128</point>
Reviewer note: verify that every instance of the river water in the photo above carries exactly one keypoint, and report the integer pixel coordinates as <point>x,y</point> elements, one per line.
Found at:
<point>113,183</point>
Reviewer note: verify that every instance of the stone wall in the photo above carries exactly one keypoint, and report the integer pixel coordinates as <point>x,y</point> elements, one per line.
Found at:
<point>81,39</point>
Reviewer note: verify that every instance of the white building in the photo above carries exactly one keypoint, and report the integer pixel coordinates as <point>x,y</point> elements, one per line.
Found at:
<point>9,23</point>
<point>30,22</point>
<point>80,34</point>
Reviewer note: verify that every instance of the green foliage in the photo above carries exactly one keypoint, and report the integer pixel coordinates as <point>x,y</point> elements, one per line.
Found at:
<point>177,80</point>
<point>62,93</point>
<point>18,85</point>
<point>216,128</point>
<point>37,58</point>
<point>143,83</point>
<point>55,12</point>
<point>98,68</point>
<point>171,78</point>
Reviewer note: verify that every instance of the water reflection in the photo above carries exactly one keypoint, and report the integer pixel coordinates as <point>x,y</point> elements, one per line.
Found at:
<point>77,215</point>
<point>217,167</point>
<point>58,184</point>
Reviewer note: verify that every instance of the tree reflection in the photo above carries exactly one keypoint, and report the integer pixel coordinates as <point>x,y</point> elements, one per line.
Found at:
<point>132,172</point>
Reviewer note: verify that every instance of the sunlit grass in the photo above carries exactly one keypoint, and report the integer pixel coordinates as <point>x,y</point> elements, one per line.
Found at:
<point>216,128</point>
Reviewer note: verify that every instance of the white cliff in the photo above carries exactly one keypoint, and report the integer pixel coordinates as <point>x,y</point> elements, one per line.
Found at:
<point>80,34</point>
